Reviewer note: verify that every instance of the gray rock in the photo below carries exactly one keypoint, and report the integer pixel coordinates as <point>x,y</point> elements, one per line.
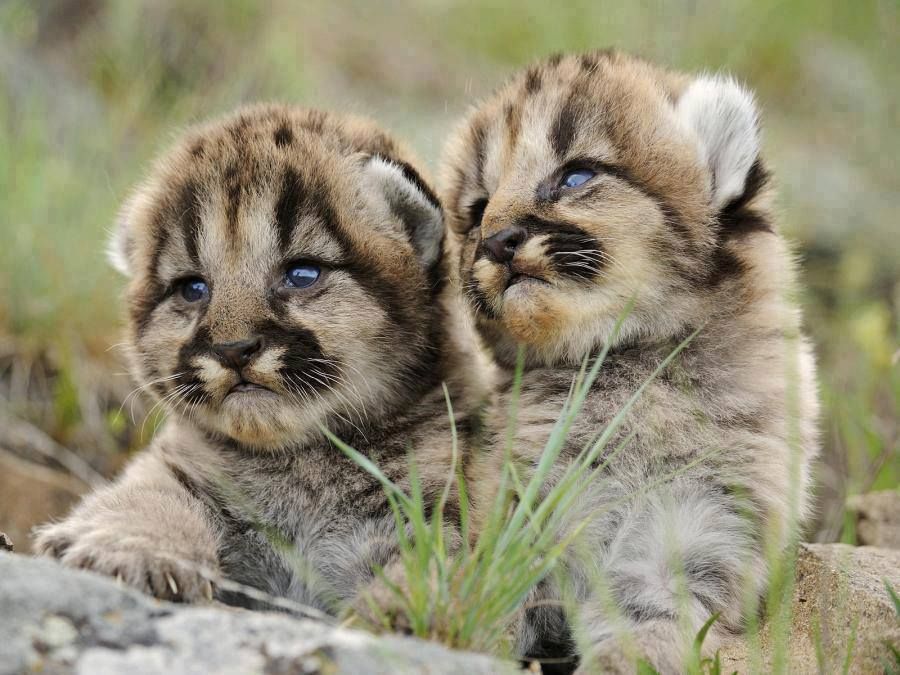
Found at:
<point>840,595</point>
<point>57,620</point>
<point>877,518</point>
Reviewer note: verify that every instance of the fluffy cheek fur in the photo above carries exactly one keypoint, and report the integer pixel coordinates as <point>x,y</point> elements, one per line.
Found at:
<point>564,319</point>
<point>349,378</point>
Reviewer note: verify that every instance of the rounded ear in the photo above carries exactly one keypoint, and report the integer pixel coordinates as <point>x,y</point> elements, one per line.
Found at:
<point>724,118</point>
<point>118,249</point>
<point>413,202</point>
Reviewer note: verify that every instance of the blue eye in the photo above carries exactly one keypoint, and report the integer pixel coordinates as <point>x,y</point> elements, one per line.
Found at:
<point>302,276</point>
<point>575,178</point>
<point>194,289</point>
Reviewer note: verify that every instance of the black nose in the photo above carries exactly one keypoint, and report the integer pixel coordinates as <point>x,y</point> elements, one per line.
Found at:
<point>501,247</point>
<point>238,354</point>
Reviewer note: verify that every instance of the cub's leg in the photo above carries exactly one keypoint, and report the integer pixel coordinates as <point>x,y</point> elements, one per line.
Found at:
<point>145,529</point>
<point>678,556</point>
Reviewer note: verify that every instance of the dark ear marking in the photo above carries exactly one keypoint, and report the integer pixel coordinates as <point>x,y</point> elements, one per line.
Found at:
<point>413,177</point>
<point>413,203</point>
<point>738,217</point>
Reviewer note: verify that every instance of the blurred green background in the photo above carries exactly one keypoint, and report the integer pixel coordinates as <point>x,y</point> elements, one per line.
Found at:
<point>91,89</point>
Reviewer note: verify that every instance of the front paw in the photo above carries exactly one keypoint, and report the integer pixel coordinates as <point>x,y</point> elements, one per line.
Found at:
<point>151,566</point>
<point>382,605</point>
<point>613,656</point>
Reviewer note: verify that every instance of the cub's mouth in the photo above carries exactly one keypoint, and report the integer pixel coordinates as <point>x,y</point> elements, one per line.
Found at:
<point>517,278</point>
<point>247,387</point>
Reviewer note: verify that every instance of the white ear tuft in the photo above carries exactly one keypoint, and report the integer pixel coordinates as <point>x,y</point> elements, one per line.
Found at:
<point>413,202</point>
<point>118,250</point>
<point>723,116</point>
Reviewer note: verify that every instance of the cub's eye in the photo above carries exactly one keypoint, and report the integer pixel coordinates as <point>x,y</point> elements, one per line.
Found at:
<point>575,178</point>
<point>476,213</point>
<point>194,289</point>
<point>302,276</point>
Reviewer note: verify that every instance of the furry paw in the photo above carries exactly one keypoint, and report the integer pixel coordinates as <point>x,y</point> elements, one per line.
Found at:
<point>611,656</point>
<point>621,657</point>
<point>381,605</point>
<point>155,567</point>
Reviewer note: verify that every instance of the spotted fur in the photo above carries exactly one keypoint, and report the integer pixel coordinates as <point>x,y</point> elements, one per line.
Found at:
<point>241,480</point>
<point>675,221</point>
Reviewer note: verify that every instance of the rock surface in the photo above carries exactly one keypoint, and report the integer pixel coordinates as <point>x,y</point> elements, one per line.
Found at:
<point>56,620</point>
<point>877,518</point>
<point>840,594</point>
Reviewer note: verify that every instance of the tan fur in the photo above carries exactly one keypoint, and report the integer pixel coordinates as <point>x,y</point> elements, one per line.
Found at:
<point>649,228</point>
<point>242,482</point>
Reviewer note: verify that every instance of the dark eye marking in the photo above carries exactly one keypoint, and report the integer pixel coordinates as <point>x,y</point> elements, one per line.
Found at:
<point>193,289</point>
<point>577,172</point>
<point>302,275</point>
<point>476,213</point>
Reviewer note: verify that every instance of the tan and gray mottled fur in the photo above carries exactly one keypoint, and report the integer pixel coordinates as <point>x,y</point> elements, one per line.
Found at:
<point>241,480</point>
<point>586,183</point>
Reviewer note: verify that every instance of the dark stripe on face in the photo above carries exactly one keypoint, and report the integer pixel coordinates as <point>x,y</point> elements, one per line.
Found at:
<point>479,142</point>
<point>200,345</point>
<point>359,265</point>
<point>188,217</point>
<point>287,208</point>
<point>548,190</point>
<point>283,135</point>
<point>562,132</point>
<point>513,115</point>
<point>301,374</point>
<point>233,190</point>
<point>477,299</point>
<point>670,215</point>
<point>141,305</point>
<point>573,252</point>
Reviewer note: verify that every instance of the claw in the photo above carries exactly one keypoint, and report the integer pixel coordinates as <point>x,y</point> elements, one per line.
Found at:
<point>208,590</point>
<point>119,579</point>
<point>171,580</point>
